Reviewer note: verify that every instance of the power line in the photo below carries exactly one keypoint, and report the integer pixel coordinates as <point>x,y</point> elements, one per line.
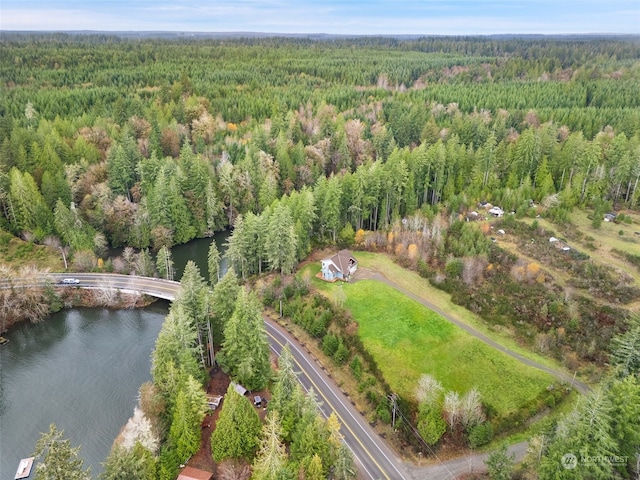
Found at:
<point>416,434</point>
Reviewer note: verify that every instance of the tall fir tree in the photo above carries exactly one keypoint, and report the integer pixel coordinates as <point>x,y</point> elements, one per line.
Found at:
<point>238,429</point>
<point>55,459</point>
<point>271,460</point>
<point>287,397</point>
<point>213,262</point>
<point>245,350</point>
<point>223,302</point>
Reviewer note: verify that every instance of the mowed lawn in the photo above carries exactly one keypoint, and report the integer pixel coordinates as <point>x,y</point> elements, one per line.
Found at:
<point>407,340</point>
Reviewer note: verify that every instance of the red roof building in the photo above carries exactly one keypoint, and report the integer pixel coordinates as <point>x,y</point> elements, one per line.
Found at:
<point>190,473</point>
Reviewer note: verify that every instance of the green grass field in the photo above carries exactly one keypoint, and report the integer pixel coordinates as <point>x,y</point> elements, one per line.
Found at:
<point>17,253</point>
<point>407,340</point>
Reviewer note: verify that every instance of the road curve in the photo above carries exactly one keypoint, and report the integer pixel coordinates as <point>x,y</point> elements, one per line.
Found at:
<point>155,287</point>
<point>374,458</point>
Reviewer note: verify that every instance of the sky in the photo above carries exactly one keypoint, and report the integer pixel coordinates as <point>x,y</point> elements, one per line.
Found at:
<point>357,17</point>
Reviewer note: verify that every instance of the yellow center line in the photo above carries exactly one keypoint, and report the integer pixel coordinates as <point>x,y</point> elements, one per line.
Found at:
<point>336,412</point>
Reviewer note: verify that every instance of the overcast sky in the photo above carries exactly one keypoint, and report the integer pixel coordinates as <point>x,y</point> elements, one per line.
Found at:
<point>372,17</point>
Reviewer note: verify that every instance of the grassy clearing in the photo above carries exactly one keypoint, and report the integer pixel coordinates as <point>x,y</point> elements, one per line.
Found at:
<point>407,339</point>
<point>417,285</point>
<point>17,253</point>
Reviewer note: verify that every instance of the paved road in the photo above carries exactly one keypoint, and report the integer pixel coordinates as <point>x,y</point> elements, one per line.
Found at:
<point>582,387</point>
<point>155,287</point>
<point>375,460</point>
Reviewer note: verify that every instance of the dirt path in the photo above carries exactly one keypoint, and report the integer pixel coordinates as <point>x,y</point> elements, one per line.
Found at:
<point>583,388</point>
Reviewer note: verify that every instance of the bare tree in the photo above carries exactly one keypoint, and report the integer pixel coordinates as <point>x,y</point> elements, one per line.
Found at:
<point>428,389</point>
<point>471,412</point>
<point>233,470</point>
<point>129,257</point>
<point>452,408</point>
<point>54,242</point>
<point>106,294</point>
<point>139,429</point>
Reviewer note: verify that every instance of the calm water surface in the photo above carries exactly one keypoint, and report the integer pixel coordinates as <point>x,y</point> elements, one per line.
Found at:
<point>80,369</point>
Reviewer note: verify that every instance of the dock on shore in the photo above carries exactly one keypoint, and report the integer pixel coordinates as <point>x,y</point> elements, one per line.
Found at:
<point>24,468</point>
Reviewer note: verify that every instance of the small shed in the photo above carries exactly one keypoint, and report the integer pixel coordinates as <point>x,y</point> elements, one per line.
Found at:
<point>239,388</point>
<point>190,473</point>
<point>339,267</point>
<point>214,401</point>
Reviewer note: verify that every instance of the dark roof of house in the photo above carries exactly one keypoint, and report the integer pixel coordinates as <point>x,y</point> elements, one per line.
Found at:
<point>342,260</point>
<point>190,473</point>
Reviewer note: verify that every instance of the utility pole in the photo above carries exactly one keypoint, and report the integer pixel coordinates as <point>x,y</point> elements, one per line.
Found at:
<point>393,399</point>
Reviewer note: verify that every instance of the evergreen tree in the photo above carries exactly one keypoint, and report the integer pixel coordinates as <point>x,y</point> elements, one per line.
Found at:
<point>310,436</point>
<point>585,432</point>
<point>164,263</point>
<point>238,245</point>
<point>245,350</point>
<point>28,209</point>
<point>55,459</point>
<point>73,231</point>
<point>123,464</point>
<point>237,430</point>
<point>215,215</point>
<point>625,349</point>
<point>343,466</point>
<point>271,460</point>
<point>625,421</point>
<point>223,301</point>
<point>193,294</point>
<point>281,240</point>
<point>176,354</point>
<point>213,262</point>
<point>287,397</point>
<point>184,434</point>
<point>121,166</point>
<point>54,186</point>
<point>500,464</point>
<point>431,423</point>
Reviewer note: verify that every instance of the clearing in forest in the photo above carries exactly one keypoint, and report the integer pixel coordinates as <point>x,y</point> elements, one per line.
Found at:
<point>407,339</point>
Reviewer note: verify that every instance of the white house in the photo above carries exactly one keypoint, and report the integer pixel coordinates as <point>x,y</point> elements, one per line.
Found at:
<point>339,267</point>
<point>496,211</point>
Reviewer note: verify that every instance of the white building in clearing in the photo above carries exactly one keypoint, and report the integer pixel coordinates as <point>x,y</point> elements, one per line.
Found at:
<point>496,211</point>
<point>339,267</point>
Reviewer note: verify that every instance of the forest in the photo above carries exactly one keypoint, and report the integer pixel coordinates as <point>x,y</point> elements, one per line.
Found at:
<point>293,144</point>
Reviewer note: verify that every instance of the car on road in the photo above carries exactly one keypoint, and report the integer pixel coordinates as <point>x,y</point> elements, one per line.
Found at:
<point>69,281</point>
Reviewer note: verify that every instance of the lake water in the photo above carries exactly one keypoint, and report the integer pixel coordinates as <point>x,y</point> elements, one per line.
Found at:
<point>81,369</point>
